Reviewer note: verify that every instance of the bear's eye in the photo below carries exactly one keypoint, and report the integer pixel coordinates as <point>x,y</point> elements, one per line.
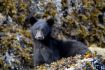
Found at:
<point>43,30</point>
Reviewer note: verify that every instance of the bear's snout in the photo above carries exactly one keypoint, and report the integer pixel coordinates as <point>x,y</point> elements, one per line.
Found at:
<point>39,35</point>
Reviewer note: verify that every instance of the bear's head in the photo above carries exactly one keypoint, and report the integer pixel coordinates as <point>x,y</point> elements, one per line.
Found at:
<point>42,28</point>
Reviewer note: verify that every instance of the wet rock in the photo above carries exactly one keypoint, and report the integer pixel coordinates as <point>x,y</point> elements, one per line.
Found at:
<point>8,20</point>
<point>2,34</point>
<point>2,19</point>
<point>8,58</point>
<point>20,40</point>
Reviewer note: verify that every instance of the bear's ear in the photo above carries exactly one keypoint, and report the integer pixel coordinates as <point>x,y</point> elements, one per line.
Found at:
<point>50,21</point>
<point>33,20</point>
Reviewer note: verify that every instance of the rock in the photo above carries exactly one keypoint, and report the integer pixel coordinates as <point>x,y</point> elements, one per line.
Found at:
<point>9,58</point>
<point>5,19</point>
<point>2,34</point>
<point>71,68</point>
<point>8,20</point>
<point>2,19</point>
<point>100,51</point>
<point>20,40</point>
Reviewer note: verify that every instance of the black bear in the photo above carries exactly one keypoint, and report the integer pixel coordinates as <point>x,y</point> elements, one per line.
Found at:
<point>48,49</point>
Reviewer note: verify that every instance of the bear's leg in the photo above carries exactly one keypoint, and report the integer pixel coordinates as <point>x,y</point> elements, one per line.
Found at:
<point>77,48</point>
<point>38,59</point>
<point>49,55</point>
<point>72,48</point>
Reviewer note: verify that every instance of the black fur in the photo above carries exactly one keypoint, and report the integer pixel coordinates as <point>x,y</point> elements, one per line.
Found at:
<point>50,49</point>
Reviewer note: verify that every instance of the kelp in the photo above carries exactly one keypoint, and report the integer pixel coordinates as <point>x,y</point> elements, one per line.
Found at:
<point>9,42</point>
<point>80,24</point>
<point>87,22</point>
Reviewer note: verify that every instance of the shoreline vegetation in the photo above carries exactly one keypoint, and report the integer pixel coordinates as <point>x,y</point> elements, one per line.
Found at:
<point>82,20</point>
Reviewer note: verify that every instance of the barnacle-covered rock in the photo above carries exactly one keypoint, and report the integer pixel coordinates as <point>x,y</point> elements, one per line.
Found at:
<point>2,18</point>
<point>74,63</point>
<point>83,20</point>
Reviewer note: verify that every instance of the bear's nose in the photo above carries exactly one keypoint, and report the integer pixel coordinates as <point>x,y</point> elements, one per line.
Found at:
<point>40,38</point>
